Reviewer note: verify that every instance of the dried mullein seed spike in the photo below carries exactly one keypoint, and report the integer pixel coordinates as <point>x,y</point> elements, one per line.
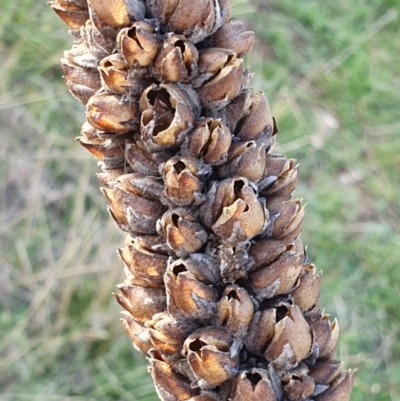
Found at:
<point>188,297</point>
<point>73,14</point>
<point>326,335</point>
<point>168,114</point>
<point>261,331</point>
<point>307,293</point>
<point>254,385</point>
<point>144,263</point>
<point>169,385</point>
<point>177,60</point>
<point>139,44</point>
<point>183,177</point>
<point>109,113</point>
<point>234,36</point>
<point>142,303</point>
<point>183,233</point>
<point>213,356</point>
<point>220,294</point>
<point>236,310</point>
<point>118,13</point>
<point>233,210</point>
<point>326,371</point>
<point>220,78</point>
<point>299,388</point>
<point>257,124</point>
<point>279,277</point>
<point>98,45</point>
<point>139,334</point>
<point>340,388</point>
<point>291,342</point>
<point>210,140</point>
<point>132,213</point>
<point>245,159</point>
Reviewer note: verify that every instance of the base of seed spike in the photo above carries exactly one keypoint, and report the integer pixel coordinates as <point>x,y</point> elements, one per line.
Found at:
<point>219,295</point>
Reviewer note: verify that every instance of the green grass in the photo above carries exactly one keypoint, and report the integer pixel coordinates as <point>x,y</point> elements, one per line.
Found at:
<point>331,73</point>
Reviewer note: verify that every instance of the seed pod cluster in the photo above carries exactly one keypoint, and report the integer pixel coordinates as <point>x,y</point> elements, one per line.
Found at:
<point>219,293</point>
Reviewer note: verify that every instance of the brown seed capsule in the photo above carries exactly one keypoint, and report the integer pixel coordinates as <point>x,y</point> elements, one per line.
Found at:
<point>118,13</point>
<point>340,388</point>
<point>177,60</point>
<point>109,113</point>
<point>326,371</point>
<point>279,277</point>
<point>142,161</point>
<point>82,82</point>
<point>80,55</point>
<point>132,213</point>
<point>203,267</point>
<point>257,125</point>
<point>183,233</point>
<point>213,356</point>
<point>195,20</point>
<point>234,36</point>
<point>110,153</point>
<point>167,116</point>
<point>141,302</point>
<point>281,177</point>
<point>183,177</point>
<point>139,44</point>
<point>326,335</point>
<point>187,296</point>
<point>286,218</point>
<point>233,260</point>
<point>220,77</point>
<point>235,310</point>
<point>210,141</point>
<point>233,210</point>
<point>167,334</point>
<point>245,159</point>
<point>236,109</point>
<point>291,342</point>
<point>307,293</point>
<point>144,263</point>
<point>98,45</point>
<point>73,14</point>
<point>261,331</point>
<point>265,252</point>
<point>299,387</point>
<point>137,333</point>
<point>114,74</point>
<point>255,386</point>
<point>169,384</point>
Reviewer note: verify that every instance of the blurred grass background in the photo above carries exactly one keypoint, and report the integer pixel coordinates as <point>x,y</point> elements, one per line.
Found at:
<point>331,72</point>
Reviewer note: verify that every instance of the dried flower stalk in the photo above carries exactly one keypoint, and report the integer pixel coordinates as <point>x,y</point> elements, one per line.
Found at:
<point>219,295</point>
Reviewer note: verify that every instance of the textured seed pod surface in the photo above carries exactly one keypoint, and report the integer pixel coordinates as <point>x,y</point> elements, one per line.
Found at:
<point>219,292</point>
